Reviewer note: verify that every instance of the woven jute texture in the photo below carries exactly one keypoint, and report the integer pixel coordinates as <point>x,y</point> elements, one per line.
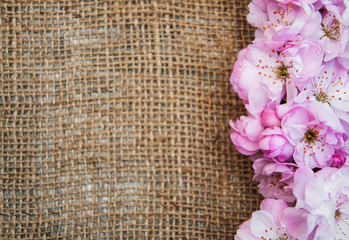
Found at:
<point>114,120</point>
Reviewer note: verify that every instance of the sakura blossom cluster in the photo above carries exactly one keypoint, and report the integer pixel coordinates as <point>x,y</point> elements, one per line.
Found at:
<point>293,80</point>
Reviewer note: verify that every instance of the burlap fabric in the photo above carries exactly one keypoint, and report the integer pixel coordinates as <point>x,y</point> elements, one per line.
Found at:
<point>114,120</point>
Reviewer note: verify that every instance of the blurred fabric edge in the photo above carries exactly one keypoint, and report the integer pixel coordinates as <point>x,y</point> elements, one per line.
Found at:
<point>114,120</point>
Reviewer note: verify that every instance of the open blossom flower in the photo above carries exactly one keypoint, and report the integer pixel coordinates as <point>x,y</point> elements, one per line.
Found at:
<point>274,144</point>
<point>258,77</point>
<point>245,134</point>
<point>322,199</point>
<point>330,87</point>
<point>262,76</point>
<point>282,22</point>
<point>304,61</point>
<point>275,179</point>
<point>265,223</point>
<point>315,132</point>
<point>333,35</point>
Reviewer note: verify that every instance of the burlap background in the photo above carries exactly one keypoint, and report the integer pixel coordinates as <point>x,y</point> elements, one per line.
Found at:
<point>114,120</point>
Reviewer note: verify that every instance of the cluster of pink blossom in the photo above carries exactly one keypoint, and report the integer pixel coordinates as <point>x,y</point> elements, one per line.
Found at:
<point>294,83</point>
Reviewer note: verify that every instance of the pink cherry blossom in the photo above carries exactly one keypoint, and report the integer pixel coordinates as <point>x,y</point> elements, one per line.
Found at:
<point>304,58</point>
<point>323,196</point>
<point>333,35</point>
<point>280,22</point>
<point>337,160</point>
<point>330,87</point>
<point>315,132</point>
<point>304,61</point>
<point>275,179</point>
<point>262,76</point>
<point>245,134</point>
<point>257,77</point>
<point>265,223</point>
<point>274,144</point>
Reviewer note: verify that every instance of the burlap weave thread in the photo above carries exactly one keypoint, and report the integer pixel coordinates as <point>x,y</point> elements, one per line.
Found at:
<point>114,120</point>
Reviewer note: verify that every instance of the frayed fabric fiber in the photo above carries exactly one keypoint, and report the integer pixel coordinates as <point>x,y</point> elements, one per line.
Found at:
<point>114,120</point>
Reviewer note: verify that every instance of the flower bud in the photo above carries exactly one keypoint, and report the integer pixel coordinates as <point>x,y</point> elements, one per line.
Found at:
<point>337,160</point>
<point>270,119</point>
<point>275,145</point>
<point>245,134</point>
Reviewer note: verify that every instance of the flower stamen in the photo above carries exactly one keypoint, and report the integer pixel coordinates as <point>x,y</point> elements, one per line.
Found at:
<point>332,28</point>
<point>310,136</point>
<point>337,214</point>
<point>321,97</point>
<point>282,72</point>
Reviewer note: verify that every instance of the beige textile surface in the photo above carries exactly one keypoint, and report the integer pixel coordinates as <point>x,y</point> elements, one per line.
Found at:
<point>114,120</point>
